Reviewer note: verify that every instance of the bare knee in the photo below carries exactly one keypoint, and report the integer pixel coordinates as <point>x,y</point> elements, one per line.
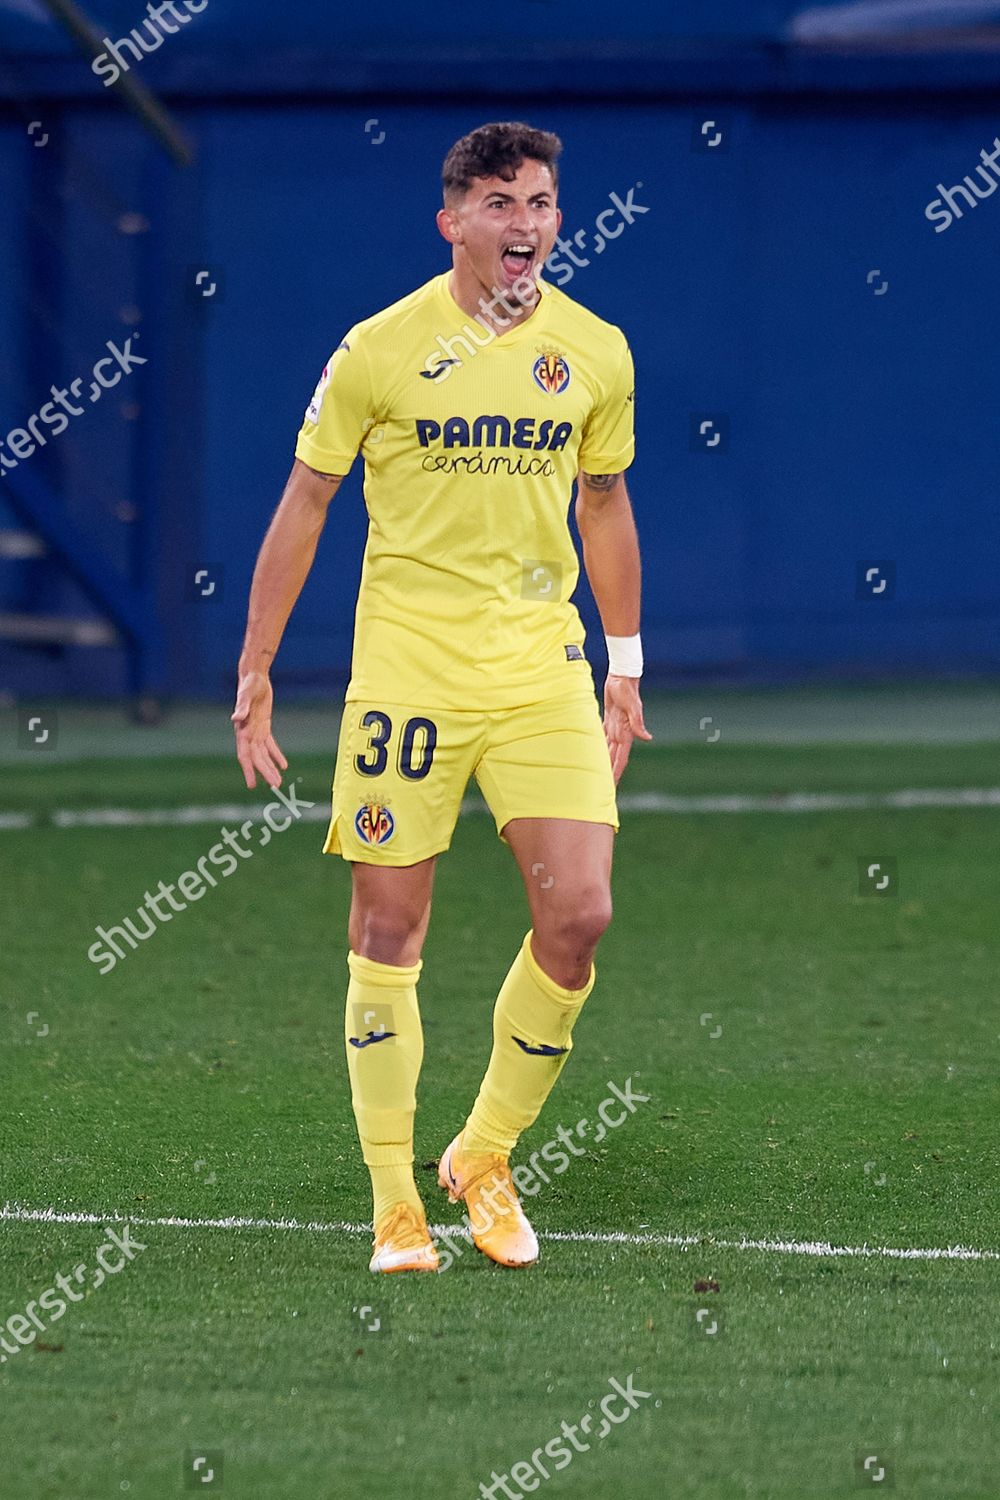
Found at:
<point>390,912</point>
<point>387,935</point>
<point>573,928</point>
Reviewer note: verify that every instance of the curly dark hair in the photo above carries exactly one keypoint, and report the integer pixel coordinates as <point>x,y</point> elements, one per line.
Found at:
<point>498,150</point>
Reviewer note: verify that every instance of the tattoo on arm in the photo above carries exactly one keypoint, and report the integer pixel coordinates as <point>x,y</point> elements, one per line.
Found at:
<point>600,482</point>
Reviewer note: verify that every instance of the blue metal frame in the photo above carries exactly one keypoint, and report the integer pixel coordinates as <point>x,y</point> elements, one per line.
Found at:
<point>169,431</point>
<point>549,69</point>
<point>113,595</point>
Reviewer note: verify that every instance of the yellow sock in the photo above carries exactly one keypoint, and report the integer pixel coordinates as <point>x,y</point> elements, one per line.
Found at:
<point>532,1022</point>
<point>385,1047</point>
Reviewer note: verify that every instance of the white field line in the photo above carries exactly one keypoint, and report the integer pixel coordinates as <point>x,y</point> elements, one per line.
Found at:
<point>630,802</point>
<point>16,820</point>
<point>15,1213</point>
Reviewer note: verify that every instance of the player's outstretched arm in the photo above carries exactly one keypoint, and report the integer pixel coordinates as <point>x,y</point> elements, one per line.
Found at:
<point>282,568</point>
<point>611,557</point>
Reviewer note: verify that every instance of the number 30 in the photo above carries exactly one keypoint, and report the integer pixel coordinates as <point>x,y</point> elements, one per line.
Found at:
<point>418,735</point>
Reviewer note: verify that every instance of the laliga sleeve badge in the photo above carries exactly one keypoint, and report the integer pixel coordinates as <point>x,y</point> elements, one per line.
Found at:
<point>316,404</point>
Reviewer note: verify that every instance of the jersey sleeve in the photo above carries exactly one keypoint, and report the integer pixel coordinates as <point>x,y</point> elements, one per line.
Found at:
<point>341,411</point>
<point>608,445</point>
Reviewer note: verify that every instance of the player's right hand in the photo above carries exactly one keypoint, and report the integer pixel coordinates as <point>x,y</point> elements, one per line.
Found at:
<point>256,749</point>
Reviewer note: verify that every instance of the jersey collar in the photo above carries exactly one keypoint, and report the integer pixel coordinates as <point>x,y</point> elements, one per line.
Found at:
<point>530,328</point>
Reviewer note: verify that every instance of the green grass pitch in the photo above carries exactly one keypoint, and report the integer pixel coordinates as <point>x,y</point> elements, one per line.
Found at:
<point>842,1089</point>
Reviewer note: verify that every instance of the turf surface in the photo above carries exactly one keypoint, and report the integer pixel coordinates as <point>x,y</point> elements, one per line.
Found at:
<point>850,1096</point>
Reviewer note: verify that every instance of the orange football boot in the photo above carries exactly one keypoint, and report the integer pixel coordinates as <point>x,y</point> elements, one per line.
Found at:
<point>497,1220</point>
<point>402,1242</point>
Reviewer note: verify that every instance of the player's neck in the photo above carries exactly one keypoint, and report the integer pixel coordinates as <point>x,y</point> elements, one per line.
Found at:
<point>499,312</point>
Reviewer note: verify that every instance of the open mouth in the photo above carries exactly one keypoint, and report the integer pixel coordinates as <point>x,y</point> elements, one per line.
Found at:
<point>517,259</point>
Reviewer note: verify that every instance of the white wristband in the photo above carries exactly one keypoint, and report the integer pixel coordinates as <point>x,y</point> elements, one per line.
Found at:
<point>624,655</point>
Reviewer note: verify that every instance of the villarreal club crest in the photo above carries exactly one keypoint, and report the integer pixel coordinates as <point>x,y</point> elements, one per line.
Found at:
<point>374,823</point>
<point>551,372</point>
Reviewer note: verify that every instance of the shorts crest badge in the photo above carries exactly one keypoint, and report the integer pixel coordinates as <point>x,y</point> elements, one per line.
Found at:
<point>374,823</point>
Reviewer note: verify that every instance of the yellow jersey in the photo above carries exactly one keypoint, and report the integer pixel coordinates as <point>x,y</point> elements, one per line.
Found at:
<point>471,444</point>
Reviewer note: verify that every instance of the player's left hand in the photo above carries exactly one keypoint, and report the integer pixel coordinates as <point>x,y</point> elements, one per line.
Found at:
<point>256,748</point>
<point>623,721</point>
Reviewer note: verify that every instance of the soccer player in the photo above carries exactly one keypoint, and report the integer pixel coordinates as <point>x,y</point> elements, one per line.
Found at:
<point>476,401</point>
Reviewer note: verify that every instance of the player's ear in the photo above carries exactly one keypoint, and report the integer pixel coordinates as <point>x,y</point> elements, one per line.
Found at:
<point>447,223</point>
<point>558,220</point>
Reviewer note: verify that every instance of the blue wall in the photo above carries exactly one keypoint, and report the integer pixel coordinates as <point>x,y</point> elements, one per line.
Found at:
<point>860,426</point>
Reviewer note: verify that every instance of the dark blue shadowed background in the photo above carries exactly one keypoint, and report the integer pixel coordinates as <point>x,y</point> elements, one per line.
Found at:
<point>784,286</point>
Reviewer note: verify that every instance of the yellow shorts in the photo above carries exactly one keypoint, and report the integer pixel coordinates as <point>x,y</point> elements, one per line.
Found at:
<point>402,772</point>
